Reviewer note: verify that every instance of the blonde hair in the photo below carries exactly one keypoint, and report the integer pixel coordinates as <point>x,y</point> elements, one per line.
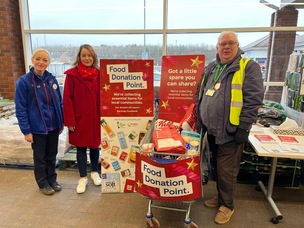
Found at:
<point>41,50</point>
<point>93,53</point>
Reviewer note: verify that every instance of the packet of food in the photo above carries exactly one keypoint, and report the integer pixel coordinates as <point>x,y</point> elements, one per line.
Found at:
<point>192,141</point>
<point>168,140</point>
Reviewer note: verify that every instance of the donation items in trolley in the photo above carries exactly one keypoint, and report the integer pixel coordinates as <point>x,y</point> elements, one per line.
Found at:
<point>168,162</point>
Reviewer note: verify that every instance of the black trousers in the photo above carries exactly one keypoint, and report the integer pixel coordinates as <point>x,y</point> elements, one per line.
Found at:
<point>81,157</point>
<point>45,149</point>
<point>225,159</point>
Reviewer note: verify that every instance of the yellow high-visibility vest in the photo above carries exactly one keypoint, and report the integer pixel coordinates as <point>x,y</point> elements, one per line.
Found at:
<point>236,103</point>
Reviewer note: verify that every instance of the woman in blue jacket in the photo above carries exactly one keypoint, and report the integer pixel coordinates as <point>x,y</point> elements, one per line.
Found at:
<point>39,112</point>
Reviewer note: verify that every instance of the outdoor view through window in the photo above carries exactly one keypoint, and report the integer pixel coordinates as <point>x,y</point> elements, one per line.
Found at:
<point>146,29</point>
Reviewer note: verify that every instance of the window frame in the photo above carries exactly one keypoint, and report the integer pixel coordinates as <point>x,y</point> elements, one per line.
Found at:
<point>27,31</point>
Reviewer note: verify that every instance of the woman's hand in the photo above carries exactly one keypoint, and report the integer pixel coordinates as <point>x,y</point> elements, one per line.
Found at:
<point>72,128</point>
<point>29,138</point>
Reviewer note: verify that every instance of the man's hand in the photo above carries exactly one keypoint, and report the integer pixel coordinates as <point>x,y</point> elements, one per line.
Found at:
<point>241,135</point>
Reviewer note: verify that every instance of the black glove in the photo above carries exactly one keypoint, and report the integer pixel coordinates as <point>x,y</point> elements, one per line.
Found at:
<point>241,135</point>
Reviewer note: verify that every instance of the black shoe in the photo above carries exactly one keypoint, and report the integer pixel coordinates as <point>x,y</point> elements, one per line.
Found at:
<point>57,187</point>
<point>48,190</point>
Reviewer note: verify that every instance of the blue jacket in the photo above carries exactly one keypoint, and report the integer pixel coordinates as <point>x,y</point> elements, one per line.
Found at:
<point>38,103</point>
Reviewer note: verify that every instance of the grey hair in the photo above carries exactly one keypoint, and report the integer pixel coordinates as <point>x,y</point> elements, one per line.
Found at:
<point>227,33</point>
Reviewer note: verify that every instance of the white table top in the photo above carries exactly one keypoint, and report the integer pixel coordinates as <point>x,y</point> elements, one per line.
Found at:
<point>265,149</point>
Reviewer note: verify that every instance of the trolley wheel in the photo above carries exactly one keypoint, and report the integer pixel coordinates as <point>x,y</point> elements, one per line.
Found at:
<point>152,223</point>
<point>205,180</point>
<point>190,225</point>
<point>275,220</point>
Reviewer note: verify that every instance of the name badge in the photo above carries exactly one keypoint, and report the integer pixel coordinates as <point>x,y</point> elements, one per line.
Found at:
<point>210,92</point>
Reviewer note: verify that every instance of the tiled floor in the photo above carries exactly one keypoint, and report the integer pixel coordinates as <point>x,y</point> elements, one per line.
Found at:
<point>23,205</point>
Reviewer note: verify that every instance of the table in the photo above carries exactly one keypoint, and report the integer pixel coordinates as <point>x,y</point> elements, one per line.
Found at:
<point>258,147</point>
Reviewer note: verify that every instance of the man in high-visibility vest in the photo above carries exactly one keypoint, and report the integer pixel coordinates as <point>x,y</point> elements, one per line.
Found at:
<point>228,98</point>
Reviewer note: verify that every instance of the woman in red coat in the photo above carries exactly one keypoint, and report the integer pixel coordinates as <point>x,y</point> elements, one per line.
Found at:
<point>81,109</point>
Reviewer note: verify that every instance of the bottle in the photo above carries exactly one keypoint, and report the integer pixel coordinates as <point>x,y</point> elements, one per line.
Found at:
<point>107,128</point>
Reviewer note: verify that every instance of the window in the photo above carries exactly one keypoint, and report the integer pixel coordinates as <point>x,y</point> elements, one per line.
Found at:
<point>147,28</point>
<point>95,14</point>
<point>217,14</point>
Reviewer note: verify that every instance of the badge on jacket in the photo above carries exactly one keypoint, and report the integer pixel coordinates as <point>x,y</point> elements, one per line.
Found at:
<point>217,86</point>
<point>210,92</point>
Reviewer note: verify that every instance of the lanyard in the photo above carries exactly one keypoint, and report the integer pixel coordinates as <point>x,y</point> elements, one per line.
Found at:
<point>218,73</point>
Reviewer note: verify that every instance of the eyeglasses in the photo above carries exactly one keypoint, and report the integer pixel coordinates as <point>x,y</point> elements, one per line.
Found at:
<point>230,43</point>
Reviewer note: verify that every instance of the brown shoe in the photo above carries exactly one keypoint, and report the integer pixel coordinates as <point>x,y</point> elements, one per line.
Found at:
<point>223,215</point>
<point>213,202</point>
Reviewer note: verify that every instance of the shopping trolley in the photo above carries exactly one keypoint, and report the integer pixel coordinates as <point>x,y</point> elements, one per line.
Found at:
<point>169,181</point>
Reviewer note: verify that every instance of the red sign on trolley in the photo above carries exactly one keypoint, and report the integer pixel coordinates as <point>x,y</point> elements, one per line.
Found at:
<point>170,180</point>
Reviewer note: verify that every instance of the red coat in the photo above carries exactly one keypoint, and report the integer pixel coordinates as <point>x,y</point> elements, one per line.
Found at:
<point>81,108</point>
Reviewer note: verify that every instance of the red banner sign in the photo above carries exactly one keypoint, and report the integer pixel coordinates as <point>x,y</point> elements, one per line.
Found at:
<point>179,79</point>
<point>127,108</point>
<point>126,87</point>
<point>177,180</point>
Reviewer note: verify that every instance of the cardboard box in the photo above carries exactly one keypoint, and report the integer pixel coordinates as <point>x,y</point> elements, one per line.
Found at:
<point>294,131</point>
